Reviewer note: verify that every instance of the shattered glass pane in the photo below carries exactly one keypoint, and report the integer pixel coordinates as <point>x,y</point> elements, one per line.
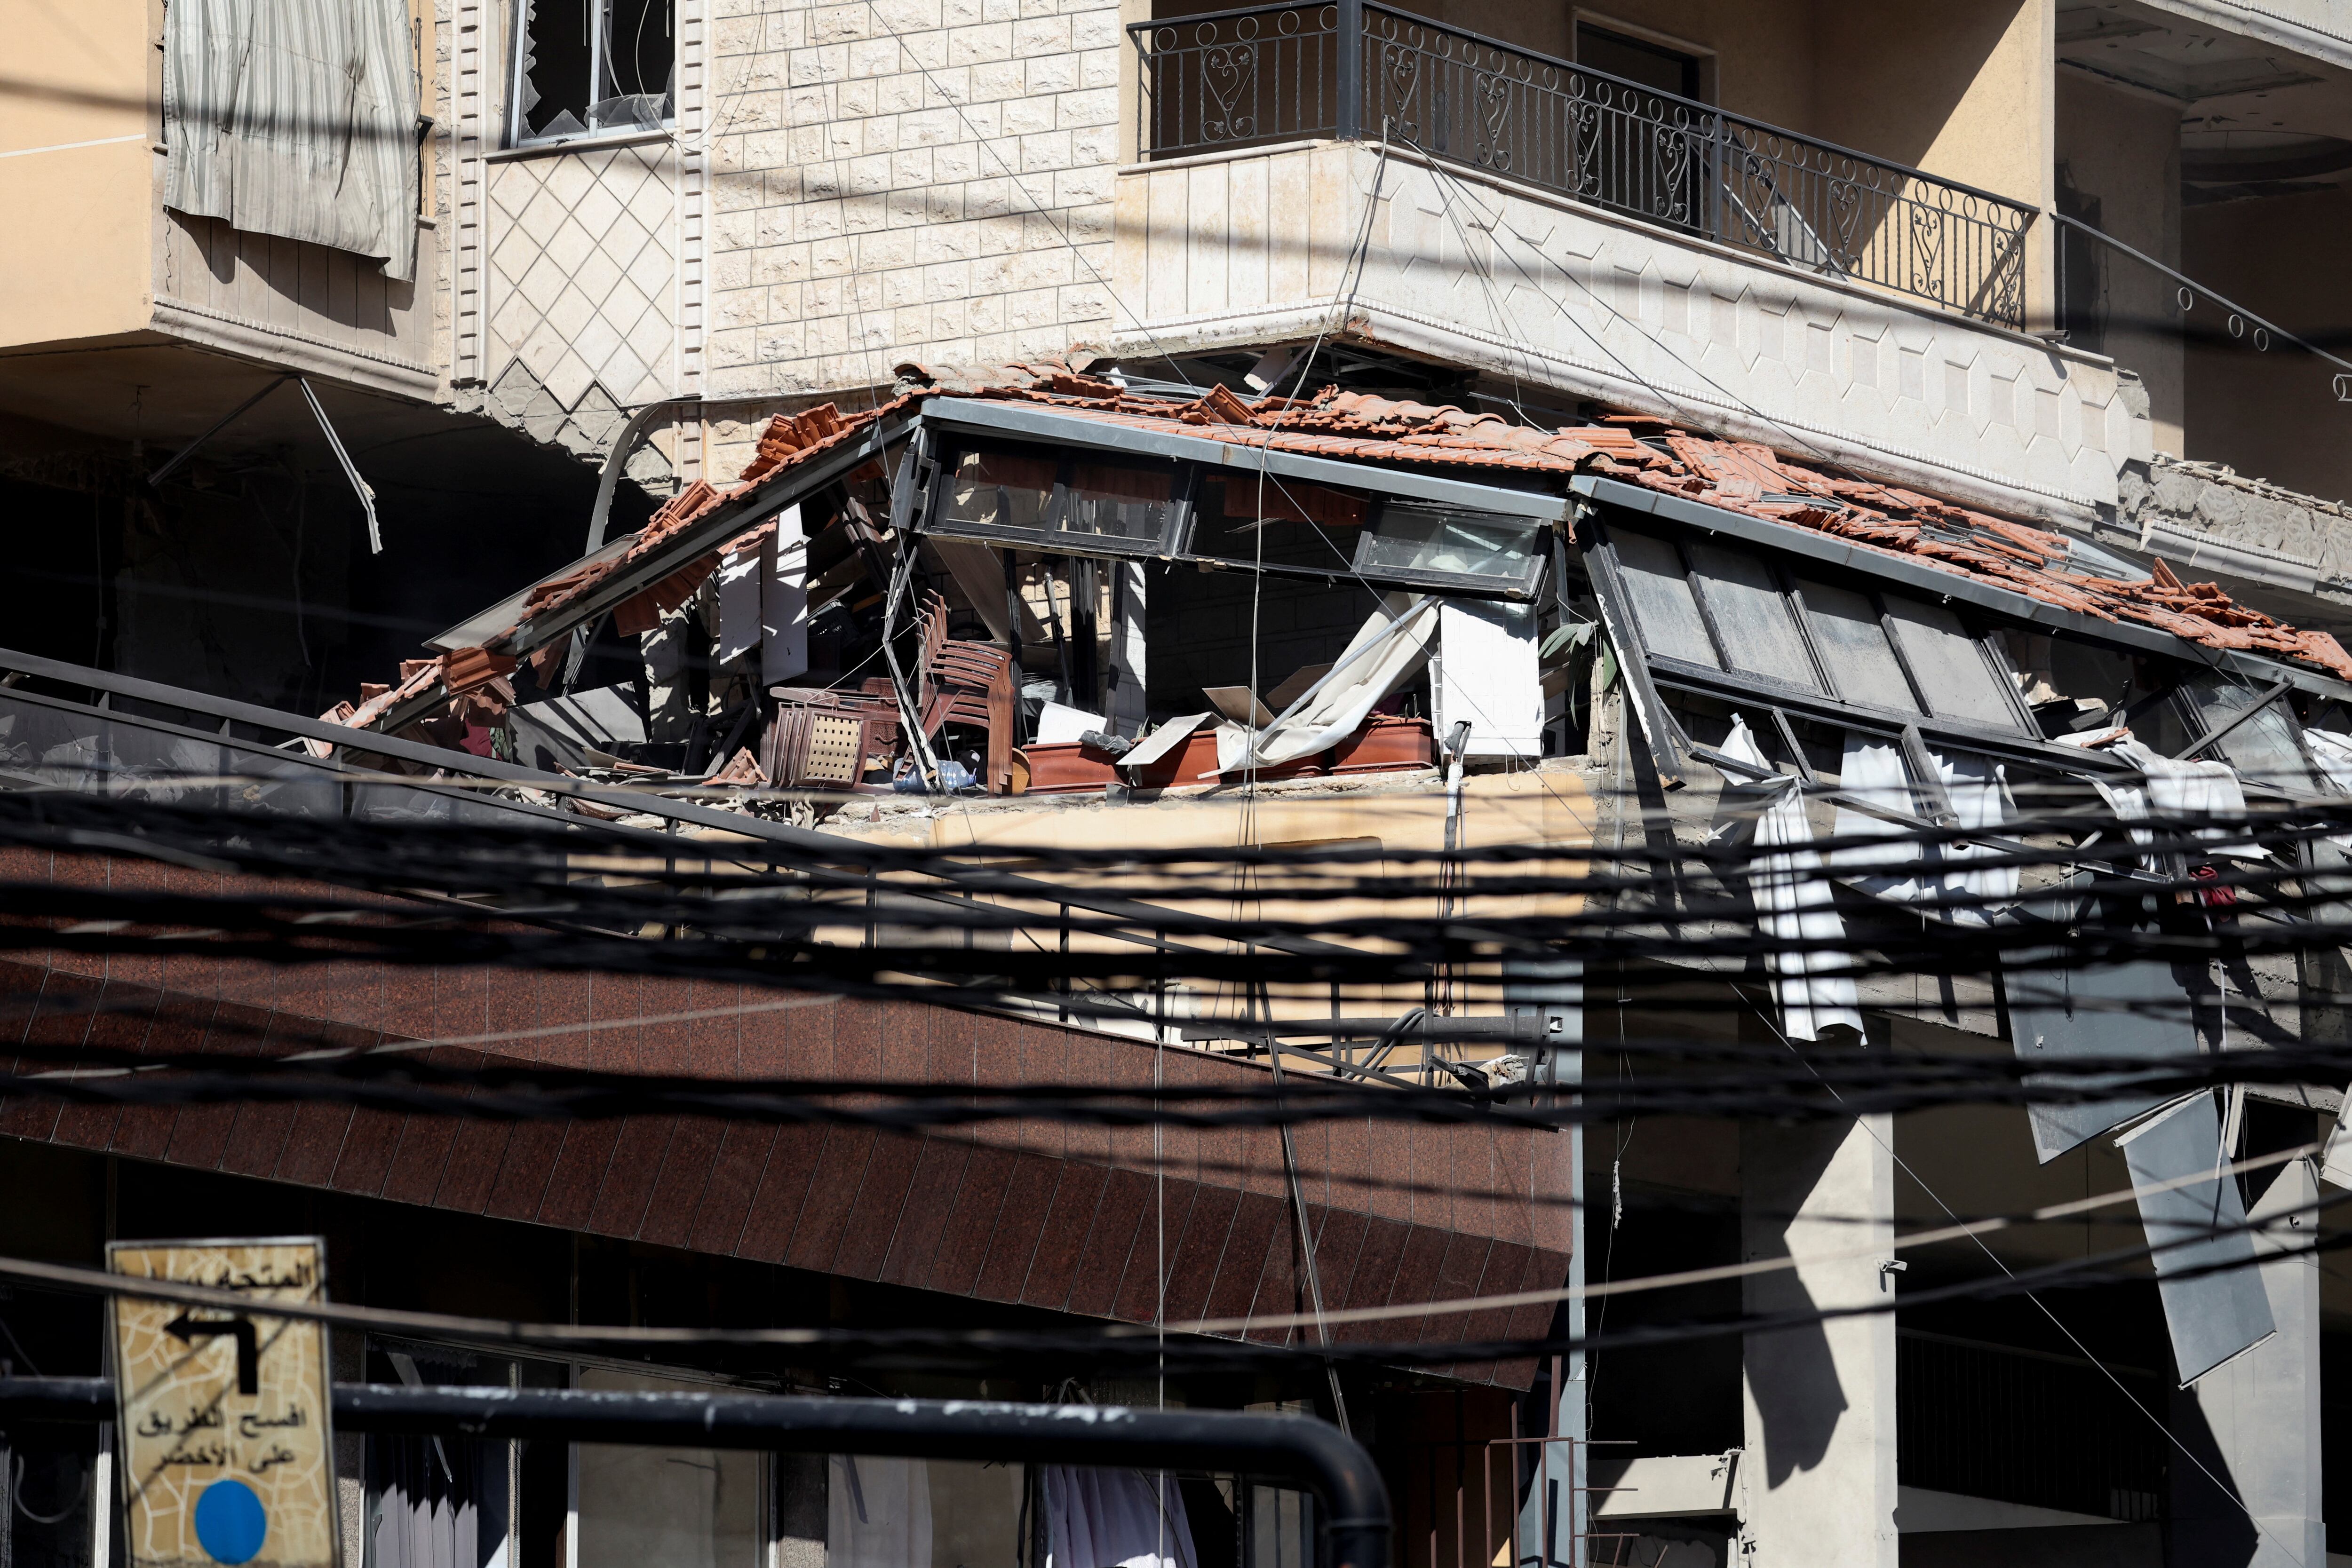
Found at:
<point>2264,748</point>
<point>1854,645</point>
<point>1415,537</point>
<point>1759,630</point>
<point>1662,602</point>
<point>1951,669</point>
<point>999,490</point>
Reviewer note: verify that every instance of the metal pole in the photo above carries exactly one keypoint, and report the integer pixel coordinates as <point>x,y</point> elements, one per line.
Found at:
<point>1352,70</point>
<point>1302,1450</point>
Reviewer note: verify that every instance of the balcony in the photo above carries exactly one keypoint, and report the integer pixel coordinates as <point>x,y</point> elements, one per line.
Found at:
<point>1353,169</point>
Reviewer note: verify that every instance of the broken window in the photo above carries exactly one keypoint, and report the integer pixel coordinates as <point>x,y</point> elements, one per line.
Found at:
<point>1441,544</point>
<point>1077,502</point>
<point>2254,733</point>
<point>1059,502</point>
<point>587,66</point>
<point>1702,605</point>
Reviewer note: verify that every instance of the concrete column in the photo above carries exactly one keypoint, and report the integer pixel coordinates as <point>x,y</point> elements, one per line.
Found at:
<point>1817,1479</point>
<point>2253,1422</point>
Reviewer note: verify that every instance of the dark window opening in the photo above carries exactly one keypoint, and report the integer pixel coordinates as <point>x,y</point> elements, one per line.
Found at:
<point>588,66</point>
<point>1652,65</point>
<point>2081,269</point>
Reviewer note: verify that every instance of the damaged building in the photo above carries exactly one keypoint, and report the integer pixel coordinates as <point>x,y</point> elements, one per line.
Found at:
<point>936,423</point>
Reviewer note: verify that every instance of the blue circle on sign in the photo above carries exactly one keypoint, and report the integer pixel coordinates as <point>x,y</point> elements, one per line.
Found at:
<point>231,1522</point>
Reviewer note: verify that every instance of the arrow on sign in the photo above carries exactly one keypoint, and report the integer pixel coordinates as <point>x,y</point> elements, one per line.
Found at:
<point>249,1348</point>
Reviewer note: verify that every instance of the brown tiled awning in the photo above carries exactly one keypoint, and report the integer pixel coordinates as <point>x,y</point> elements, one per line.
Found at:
<point>1068,1219</point>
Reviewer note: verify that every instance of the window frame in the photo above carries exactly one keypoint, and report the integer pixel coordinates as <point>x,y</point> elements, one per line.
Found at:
<point>1652,674</point>
<point>518,135</point>
<point>1180,533</point>
<point>1786,582</point>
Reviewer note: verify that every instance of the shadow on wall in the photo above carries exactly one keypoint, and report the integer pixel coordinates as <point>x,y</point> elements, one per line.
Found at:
<point>1792,1375</point>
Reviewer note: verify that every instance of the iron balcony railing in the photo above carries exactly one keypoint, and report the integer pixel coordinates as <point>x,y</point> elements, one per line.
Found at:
<point>1355,69</point>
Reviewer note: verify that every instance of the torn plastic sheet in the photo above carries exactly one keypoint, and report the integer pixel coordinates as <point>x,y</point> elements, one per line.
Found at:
<point>2059,1009</point>
<point>1389,647</point>
<point>784,600</point>
<point>2335,1160</point>
<point>2334,754</point>
<point>2178,789</point>
<point>1873,771</point>
<point>1487,672</point>
<point>1793,898</point>
<point>2198,1229</point>
<point>1160,742</point>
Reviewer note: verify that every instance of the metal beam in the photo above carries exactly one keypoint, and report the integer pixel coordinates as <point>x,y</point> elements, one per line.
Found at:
<point>1301,1449</point>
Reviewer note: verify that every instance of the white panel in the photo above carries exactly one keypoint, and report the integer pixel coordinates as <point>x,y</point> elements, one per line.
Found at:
<point>740,611</point>
<point>1125,698</point>
<point>783,653</point>
<point>1487,674</point>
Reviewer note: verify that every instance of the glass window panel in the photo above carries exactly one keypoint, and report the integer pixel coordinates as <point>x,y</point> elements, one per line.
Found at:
<point>1411,537</point>
<point>999,490</point>
<point>2264,748</point>
<point>1760,631</point>
<point>1286,501</point>
<point>1861,661</point>
<point>1951,668</point>
<point>1131,504</point>
<point>1663,601</point>
<point>682,1508</point>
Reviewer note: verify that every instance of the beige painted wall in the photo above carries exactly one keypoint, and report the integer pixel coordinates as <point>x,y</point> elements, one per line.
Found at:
<point>2271,415</point>
<point>75,250</point>
<point>2124,147</point>
<point>1758,56</point>
<point>1958,88</point>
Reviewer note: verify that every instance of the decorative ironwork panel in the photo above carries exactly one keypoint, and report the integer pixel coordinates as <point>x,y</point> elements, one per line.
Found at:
<point>1275,73</point>
<point>1238,78</point>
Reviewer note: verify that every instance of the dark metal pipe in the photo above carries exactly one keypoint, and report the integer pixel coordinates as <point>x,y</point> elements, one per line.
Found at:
<point>1298,1449</point>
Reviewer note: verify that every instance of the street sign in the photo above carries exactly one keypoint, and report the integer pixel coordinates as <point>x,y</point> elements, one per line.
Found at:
<point>227,1457</point>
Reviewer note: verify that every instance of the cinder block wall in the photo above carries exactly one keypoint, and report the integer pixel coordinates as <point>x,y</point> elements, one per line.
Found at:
<point>905,179</point>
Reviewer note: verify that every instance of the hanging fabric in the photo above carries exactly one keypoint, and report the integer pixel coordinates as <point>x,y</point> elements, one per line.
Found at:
<point>2178,789</point>
<point>1793,898</point>
<point>292,118</point>
<point>1115,1519</point>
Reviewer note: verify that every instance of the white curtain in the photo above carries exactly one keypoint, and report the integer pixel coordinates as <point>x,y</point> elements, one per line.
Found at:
<point>1793,902</point>
<point>298,119</point>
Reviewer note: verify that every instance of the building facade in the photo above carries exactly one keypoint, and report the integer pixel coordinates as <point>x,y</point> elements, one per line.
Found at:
<point>1726,286</point>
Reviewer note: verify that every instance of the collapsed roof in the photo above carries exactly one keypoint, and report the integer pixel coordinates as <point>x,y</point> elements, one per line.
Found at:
<point>1379,444</point>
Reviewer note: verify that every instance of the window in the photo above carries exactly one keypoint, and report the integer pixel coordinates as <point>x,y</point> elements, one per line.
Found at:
<point>1710,606</point>
<point>1417,540</point>
<point>1752,615</point>
<point>1652,65</point>
<point>1954,674</point>
<point>1664,605</point>
<point>1060,502</point>
<point>583,66</point>
<point>1083,502</point>
<point>993,490</point>
<point>2264,748</point>
<point>1854,646</point>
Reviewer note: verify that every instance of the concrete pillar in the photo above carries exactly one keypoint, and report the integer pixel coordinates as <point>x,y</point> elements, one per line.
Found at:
<point>1817,1479</point>
<point>2253,1422</point>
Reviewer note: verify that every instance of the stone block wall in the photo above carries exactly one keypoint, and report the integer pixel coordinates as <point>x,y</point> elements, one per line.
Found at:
<point>901,180</point>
